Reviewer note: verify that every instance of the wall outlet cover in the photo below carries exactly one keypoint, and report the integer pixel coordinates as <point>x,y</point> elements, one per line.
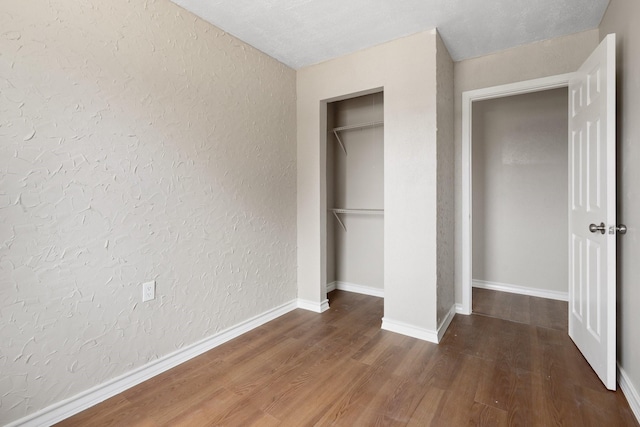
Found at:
<point>148,291</point>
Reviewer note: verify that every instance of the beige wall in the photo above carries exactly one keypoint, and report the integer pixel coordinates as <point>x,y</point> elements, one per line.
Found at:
<point>622,17</point>
<point>406,69</point>
<point>547,58</point>
<point>137,142</point>
<point>357,254</point>
<point>520,158</point>
<point>445,206</point>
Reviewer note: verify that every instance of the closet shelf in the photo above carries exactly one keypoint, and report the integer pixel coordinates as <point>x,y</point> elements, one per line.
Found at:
<point>352,127</point>
<point>355,211</point>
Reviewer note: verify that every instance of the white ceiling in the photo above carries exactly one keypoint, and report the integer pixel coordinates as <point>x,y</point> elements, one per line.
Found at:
<point>304,32</point>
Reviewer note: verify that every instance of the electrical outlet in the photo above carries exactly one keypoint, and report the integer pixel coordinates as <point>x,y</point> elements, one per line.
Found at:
<point>148,291</point>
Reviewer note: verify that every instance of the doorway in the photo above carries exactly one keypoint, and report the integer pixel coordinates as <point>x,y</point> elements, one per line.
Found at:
<point>520,197</point>
<point>530,86</point>
<point>592,207</point>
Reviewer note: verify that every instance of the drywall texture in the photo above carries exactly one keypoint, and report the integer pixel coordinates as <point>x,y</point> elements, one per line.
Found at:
<point>445,205</point>
<point>358,183</point>
<point>137,142</point>
<point>543,59</point>
<point>406,69</point>
<point>520,158</point>
<point>622,18</point>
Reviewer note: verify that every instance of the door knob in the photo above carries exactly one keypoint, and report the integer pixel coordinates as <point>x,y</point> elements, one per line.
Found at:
<point>595,228</point>
<point>622,229</point>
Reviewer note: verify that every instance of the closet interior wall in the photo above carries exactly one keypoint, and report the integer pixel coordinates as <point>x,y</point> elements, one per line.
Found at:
<point>355,180</point>
<point>520,192</point>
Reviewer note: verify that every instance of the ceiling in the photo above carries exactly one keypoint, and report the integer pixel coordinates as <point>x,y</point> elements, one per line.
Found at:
<point>304,32</point>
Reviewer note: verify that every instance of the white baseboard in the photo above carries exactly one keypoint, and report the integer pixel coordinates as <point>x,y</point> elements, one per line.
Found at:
<point>444,325</point>
<point>409,330</point>
<point>352,287</point>
<point>522,290</point>
<point>630,392</point>
<point>460,309</point>
<point>316,307</point>
<point>78,403</point>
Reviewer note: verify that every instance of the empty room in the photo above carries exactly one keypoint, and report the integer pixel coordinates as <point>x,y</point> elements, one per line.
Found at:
<point>319,213</point>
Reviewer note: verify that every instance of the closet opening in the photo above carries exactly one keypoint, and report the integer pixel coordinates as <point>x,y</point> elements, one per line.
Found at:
<point>355,194</point>
<point>519,164</point>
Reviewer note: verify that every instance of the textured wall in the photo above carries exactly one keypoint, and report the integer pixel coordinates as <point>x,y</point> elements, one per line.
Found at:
<point>137,142</point>
<point>445,205</point>
<point>520,190</point>
<point>547,58</point>
<point>622,18</point>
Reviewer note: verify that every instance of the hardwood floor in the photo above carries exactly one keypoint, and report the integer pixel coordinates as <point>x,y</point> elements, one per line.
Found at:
<point>338,368</point>
<point>543,312</point>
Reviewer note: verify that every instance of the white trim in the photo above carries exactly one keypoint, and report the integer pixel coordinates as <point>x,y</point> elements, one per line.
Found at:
<point>459,309</point>
<point>409,330</point>
<point>468,97</point>
<point>611,144</point>
<point>629,391</point>
<point>358,289</point>
<point>444,325</point>
<point>316,307</point>
<point>522,290</point>
<point>64,409</point>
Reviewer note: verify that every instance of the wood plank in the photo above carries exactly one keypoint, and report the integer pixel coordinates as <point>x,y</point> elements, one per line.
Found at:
<point>361,403</point>
<point>178,394</point>
<point>224,408</point>
<point>427,408</point>
<point>113,412</point>
<point>549,313</point>
<point>312,402</point>
<point>483,415</point>
<point>457,405</point>
<point>503,305</point>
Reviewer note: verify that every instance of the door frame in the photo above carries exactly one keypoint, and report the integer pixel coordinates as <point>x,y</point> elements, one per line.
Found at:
<point>468,98</point>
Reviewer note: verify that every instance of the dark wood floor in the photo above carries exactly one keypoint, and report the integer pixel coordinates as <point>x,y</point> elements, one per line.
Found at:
<point>534,311</point>
<point>339,368</point>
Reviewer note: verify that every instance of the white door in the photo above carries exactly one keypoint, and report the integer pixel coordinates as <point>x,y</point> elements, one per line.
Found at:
<point>592,204</point>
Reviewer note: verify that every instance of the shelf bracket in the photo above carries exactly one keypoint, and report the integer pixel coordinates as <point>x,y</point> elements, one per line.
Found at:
<point>351,127</point>
<point>339,220</point>
<point>336,213</point>
<point>335,132</point>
